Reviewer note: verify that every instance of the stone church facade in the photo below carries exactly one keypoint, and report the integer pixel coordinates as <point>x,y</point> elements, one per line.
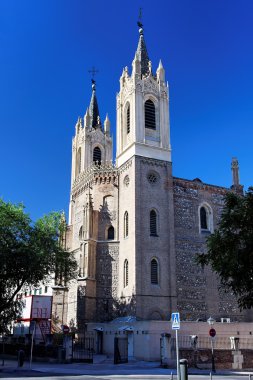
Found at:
<point>133,227</point>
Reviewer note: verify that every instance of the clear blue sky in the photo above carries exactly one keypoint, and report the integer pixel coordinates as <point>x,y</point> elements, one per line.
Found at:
<point>47,48</point>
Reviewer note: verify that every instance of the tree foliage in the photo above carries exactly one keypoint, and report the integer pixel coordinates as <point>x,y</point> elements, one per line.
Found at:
<point>30,254</point>
<point>230,248</point>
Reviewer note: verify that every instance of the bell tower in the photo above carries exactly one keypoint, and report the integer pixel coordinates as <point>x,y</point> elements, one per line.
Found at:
<point>91,145</point>
<point>142,110</point>
<point>146,224</point>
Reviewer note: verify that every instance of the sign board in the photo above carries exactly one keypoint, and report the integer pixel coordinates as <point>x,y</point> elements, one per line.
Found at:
<point>36,307</point>
<point>65,329</point>
<point>175,319</point>
<point>212,332</point>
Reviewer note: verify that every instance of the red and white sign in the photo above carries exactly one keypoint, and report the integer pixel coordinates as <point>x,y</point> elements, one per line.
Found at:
<point>212,332</point>
<point>65,329</point>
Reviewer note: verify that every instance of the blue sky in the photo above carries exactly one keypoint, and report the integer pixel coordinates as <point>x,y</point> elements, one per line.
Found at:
<point>47,48</point>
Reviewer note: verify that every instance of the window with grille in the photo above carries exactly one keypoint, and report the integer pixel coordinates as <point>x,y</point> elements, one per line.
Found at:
<point>128,119</point>
<point>154,271</point>
<point>153,223</point>
<point>152,178</point>
<point>150,115</point>
<point>126,224</point>
<point>203,218</point>
<point>97,155</point>
<point>125,273</point>
<point>111,233</point>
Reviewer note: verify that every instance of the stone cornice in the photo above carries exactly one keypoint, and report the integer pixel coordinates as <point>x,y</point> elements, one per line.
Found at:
<point>104,173</point>
<point>199,185</point>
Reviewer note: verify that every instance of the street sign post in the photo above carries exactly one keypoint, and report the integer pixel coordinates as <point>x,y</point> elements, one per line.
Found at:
<point>175,320</point>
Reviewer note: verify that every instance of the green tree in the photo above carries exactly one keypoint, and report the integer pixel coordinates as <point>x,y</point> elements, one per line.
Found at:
<point>230,248</point>
<point>30,254</point>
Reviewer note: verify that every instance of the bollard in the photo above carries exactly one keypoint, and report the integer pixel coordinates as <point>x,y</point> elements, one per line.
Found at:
<point>183,363</point>
<point>21,358</point>
<point>171,376</point>
<point>211,375</point>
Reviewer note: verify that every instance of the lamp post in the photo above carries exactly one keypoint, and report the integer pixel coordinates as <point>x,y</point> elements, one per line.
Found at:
<point>212,334</point>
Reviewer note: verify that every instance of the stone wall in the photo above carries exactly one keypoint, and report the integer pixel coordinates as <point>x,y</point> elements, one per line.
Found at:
<point>198,289</point>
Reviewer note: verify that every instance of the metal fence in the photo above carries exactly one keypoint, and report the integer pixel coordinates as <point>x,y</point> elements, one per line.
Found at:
<point>220,342</point>
<point>83,350</point>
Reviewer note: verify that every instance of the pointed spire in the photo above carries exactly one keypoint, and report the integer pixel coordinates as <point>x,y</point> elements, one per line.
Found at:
<point>142,52</point>
<point>78,125</point>
<point>107,125</point>
<point>160,73</point>
<point>87,118</point>
<point>93,109</point>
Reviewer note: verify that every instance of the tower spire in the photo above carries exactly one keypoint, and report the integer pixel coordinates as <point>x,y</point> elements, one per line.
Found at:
<point>93,108</point>
<point>142,52</point>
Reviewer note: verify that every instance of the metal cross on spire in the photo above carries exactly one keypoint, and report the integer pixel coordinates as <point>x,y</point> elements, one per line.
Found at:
<point>93,72</point>
<point>139,23</point>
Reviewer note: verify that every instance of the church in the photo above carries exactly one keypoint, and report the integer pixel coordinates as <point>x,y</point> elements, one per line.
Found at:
<point>133,227</point>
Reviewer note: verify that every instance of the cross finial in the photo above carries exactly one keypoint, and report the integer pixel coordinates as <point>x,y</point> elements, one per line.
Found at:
<point>139,23</point>
<point>93,72</point>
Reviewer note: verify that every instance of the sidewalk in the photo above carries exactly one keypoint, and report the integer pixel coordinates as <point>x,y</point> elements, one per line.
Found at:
<point>137,368</point>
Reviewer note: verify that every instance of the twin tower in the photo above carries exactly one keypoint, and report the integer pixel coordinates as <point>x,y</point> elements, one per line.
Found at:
<point>133,228</point>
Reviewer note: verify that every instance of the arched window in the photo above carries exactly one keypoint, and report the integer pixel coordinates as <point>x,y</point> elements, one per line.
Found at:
<point>153,223</point>
<point>203,218</point>
<point>79,161</point>
<point>97,155</point>
<point>111,233</point>
<point>126,224</point>
<point>154,271</point>
<point>128,119</point>
<point>125,273</point>
<point>150,115</point>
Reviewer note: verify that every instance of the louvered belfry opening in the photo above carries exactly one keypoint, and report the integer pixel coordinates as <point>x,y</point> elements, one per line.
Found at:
<point>154,271</point>
<point>153,223</point>
<point>150,115</point>
<point>203,218</point>
<point>97,155</point>
<point>128,119</point>
<point>125,273</point>
<point>126,224</point>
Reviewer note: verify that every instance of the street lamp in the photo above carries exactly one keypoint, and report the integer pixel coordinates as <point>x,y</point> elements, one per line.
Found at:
<point>212,334</point>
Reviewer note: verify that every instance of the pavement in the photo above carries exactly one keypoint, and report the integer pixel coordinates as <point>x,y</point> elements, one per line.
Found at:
<point>137,368</point>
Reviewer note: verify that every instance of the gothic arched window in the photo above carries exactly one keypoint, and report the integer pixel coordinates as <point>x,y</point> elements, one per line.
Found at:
<point>150,115</point>
<point>97,155</point>
<point>110,233</point>
<point>203,218</point>
<point>126,224</point>
<point>153,223</point>
<point>125,273</point>
<point>154,271</point>
<point>79,161</point>
<point>128,119</point>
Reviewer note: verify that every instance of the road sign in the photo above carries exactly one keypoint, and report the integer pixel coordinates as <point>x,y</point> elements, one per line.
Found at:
<point>212,332</point>
<point>175,319</point>
<point>65,329</point>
